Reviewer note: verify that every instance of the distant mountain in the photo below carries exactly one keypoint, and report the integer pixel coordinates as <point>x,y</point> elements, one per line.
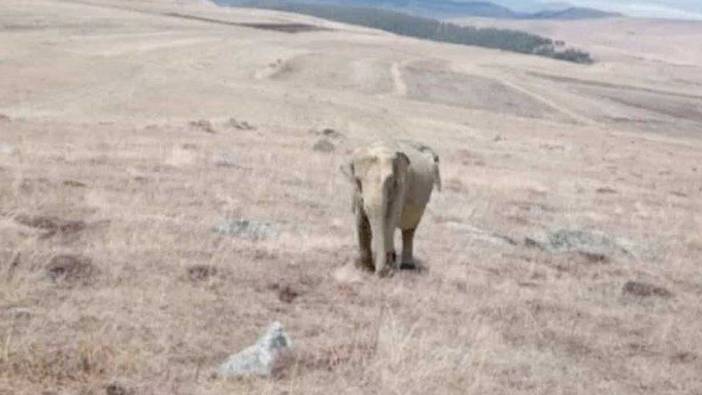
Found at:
<point>574,13</point>
<point>552,6</point>
<point>428,8</point>
<point>445,9</point>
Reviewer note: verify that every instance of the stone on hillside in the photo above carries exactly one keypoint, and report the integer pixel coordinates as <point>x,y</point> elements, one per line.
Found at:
<point>226,160</point>
<point>240,125</point>
<point>6,149</point>
<point>259,359</point>
<point>324,145</point>
<point>247,229</point>
<point>591,244</point>
<point>204,125</point>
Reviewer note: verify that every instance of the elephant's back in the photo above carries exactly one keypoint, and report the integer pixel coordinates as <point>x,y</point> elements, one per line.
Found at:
<point>420,180</point>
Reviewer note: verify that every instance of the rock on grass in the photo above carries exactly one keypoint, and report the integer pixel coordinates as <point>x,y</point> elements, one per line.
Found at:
<point>7,149</point>
<point>240,125</point>
<point>259,359</point>
<point>203,125</point>
<point>594,246</point>
<point>247,229</point>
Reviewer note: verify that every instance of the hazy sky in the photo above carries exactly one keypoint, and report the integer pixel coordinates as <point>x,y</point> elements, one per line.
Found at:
<point>649,8</point>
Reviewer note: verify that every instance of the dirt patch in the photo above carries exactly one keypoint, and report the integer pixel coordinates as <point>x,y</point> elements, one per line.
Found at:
<point>640,289</point>
<point>287,294</point>
<point>470,91</point>
<point>74,184</point>
<point>198,273</point>
<point>329,133</point>
<point>592,257</point>
<point>606,191</point>
<point>51,225</point>
<point>278,27</point>
<point>683,357</point>
<point>5,118</point>
<point>117,389</point>
<point>71,269</point>
<point>203,125</point>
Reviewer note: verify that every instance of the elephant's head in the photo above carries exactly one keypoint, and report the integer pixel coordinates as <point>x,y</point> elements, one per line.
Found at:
<point>379,177</point>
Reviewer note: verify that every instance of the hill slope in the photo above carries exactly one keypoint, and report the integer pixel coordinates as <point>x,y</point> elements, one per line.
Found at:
<point>161,202</point>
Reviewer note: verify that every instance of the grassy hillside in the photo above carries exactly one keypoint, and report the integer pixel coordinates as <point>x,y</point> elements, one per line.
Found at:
<point>560,257</point>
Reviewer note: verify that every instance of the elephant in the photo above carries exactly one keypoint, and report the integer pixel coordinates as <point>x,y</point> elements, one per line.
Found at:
<point>392,184</point>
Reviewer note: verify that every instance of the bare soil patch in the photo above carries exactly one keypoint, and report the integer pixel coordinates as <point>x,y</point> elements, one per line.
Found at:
<point>636,288</point>
<point>71,269</point>
<point>51,225</point>
<point>201,272</point>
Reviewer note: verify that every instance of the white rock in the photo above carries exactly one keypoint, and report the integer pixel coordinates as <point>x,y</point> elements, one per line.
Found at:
<point>260,358</point>
<point>226,160</point>
<point>248,229</point>
<point>6,149</point>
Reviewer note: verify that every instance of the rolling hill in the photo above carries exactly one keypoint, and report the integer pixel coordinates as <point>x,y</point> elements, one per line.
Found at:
<point>561,255</point>
<point>573,13</point>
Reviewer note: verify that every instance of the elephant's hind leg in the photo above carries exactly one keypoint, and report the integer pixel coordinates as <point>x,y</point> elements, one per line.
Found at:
<point>364,239</point>
<point>407,262</point>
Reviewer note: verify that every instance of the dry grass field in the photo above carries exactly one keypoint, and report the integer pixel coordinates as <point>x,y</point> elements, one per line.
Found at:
<point>562,256</point>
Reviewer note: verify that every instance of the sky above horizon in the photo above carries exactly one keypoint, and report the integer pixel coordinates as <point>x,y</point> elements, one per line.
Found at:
<point>686,9</point>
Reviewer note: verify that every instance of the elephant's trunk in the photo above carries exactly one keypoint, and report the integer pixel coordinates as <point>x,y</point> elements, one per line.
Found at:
<point>382,227</point>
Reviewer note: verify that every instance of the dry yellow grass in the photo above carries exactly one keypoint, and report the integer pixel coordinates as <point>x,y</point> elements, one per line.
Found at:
<point>108,169</point>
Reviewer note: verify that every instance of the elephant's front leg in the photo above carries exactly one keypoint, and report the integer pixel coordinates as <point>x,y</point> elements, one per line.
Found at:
<point>407,262</point>
<point>364,239</point>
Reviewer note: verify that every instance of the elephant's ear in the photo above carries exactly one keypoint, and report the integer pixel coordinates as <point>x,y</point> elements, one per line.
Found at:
<point>348,171</point>
<point>401,164</point>
<point>437,174</point>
